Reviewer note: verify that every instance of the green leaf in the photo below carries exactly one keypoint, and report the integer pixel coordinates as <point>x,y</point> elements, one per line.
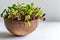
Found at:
<point>30,11</point>
<point>29,24</point>
<point>22,12</point>
<point>28,6</point>
<point>36,10</point>
<point>40,14</point>
<point>32,4</point>
<point>9,7</point>
<point>15,12</point>
<point>2,14</point>
<point>19,5</point>
<point>12,11</point>
<point>10,17</point>
<point>14,6</point>
<point>27,17</point>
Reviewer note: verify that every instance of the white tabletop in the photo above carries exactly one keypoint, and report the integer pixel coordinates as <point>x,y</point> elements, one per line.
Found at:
<point>44,31</point>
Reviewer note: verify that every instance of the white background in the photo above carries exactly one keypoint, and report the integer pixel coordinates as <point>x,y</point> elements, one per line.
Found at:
<point>50,7</point>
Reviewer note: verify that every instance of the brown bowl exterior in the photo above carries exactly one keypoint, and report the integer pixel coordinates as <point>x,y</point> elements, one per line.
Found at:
<point>20,28</point>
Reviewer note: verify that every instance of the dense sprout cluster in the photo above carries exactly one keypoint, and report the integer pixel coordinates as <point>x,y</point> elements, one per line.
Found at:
<point>22,12</point>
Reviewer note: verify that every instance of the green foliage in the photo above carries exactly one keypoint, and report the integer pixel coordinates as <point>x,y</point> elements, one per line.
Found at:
<point>25,12</point>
